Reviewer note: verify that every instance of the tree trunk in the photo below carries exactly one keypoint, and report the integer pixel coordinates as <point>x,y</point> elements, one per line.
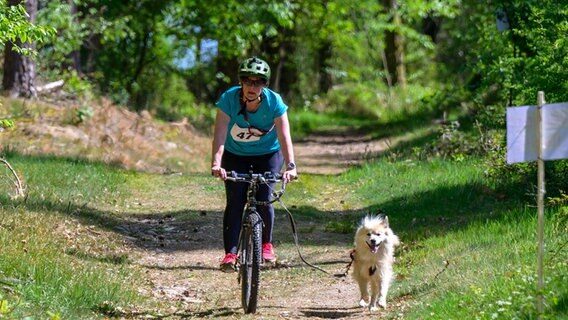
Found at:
<point>19,71</point>
<point>394,47</point>
<point>277,51</point>
<point>324,53</point>
<point>76,54</point>
<point>282,70</point>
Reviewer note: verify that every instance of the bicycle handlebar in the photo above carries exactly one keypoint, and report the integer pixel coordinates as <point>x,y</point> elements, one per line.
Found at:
<point>267,177</point>
<point>260,178</point>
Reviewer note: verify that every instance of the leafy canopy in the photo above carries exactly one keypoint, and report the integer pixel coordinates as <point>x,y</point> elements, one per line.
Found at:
<point>15,26</point>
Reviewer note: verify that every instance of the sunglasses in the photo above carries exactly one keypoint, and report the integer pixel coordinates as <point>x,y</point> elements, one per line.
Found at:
<point>253,83</point>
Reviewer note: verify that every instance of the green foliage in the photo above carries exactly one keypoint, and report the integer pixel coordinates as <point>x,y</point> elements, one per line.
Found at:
<point>360,100</point>
<point>130,46</point>
<point>520,61</point>
<point>83,113</point>
<point>304,122</point>
<point>321,46</point>
<point>416,10</point>
<point>372,100</point>
<point>6,124</point>
<point>70,33</point>
<point>15,26</point>
<point>482,80</point>
<point>451,141</point>
<point>539,53</point>
<point>174,58</point>
<point>77,87</point>
<point>173,102</point>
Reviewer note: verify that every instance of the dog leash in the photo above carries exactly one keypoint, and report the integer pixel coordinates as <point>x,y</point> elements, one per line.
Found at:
<point>295,234</point>
<point>344,274</point>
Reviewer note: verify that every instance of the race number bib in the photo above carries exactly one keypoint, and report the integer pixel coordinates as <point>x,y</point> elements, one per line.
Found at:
<point>243,134</point>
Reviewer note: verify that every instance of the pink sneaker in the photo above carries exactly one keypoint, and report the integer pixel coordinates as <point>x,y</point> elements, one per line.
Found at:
<point>229,262</point>
<point>268,252</point>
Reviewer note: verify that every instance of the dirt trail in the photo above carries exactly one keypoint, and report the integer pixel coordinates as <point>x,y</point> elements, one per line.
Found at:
<point>335,153</point>
<point>181,256</point>
<point>180,259</point>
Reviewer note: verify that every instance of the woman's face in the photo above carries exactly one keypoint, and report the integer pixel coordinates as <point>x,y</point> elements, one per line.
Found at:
<point>252,86</point>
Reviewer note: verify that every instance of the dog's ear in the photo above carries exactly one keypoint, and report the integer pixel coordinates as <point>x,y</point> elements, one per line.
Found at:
<point>386,221</point>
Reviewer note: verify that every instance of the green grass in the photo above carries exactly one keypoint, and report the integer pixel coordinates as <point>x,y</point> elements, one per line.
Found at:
<point>303,122</point>
<point>468,252</point>
<point>54,262</point>
<point>490,272</point>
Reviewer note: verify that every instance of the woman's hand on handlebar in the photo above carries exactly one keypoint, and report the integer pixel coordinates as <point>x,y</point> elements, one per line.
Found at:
<point>289,175</point>
<point>218,172</point>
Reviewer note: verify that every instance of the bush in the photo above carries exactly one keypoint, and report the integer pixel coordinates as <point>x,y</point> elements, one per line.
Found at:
<point>374,101</point>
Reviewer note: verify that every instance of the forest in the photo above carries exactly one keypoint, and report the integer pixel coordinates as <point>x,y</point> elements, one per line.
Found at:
<point>173,58</point>
<point>460,61</point>
<point>386,62</point>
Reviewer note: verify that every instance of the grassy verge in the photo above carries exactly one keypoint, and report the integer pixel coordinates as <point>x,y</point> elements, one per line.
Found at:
<point>468,252</point>
<point>54,261</point>
<point>487,271</point>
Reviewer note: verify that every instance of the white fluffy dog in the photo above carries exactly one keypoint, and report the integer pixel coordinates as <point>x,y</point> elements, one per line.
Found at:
<point>373,259</point>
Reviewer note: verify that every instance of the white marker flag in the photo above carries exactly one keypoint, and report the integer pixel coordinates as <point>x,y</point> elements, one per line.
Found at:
<point>522,135</point>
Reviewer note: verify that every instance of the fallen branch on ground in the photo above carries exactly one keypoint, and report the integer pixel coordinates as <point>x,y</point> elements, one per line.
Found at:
<point>18,186</point>
<point>51,86</point>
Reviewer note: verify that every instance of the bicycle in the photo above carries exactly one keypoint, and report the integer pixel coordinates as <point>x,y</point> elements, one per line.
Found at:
<point>250,239</point>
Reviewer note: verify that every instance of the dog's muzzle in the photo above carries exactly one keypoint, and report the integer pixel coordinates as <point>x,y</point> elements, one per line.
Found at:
<point>373,245</point>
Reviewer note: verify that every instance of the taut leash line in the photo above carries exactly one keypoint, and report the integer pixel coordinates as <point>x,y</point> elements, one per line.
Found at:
<point>295,234</point>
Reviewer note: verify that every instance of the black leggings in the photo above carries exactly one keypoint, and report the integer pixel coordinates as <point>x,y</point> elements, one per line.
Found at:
<point>236,195</point>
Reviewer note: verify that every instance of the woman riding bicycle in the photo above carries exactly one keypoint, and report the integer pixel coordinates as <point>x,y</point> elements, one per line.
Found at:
<point>252,132</point>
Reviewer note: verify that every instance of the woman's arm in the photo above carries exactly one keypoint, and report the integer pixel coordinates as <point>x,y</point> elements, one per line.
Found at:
<point>218,145</point>
<point>285,140</point>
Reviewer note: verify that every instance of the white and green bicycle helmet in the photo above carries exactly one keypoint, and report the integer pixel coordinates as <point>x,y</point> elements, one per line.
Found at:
<point>254,67</point>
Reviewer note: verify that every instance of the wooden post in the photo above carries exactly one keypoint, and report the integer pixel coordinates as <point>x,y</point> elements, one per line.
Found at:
<point>540,204</point>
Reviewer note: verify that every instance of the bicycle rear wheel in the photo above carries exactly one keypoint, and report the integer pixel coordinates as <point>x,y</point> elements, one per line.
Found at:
<point>251,258</point>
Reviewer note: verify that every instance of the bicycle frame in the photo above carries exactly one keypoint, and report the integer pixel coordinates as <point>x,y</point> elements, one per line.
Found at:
<point>255,180</point>
<point>250,238</point>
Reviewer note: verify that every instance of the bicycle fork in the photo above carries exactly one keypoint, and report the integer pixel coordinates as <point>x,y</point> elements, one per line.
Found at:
<point>247,228</point>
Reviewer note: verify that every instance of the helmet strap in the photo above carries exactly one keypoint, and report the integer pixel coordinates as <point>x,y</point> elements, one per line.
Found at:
<point>252,100</point>
<point>244,102</point>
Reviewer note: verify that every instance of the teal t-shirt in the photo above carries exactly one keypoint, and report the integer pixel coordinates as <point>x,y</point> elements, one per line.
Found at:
<point>241,138</point>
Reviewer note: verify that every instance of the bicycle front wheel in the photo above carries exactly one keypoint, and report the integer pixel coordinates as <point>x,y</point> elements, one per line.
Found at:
<point>251,258</point>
